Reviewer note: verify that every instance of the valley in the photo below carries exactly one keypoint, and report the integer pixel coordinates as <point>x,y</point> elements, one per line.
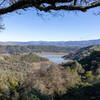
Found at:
<point>49,49</point>
<point>46,75</point>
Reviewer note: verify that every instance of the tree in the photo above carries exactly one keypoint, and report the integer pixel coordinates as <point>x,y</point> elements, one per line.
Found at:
<point>7,6</point>
<point>89,76</point>
<point>78,67</point>
<point>1,25</point>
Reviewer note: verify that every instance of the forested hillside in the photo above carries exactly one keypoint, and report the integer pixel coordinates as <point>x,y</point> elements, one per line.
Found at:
<point>30,77</point>
<point>11,49</point>
<point>82,52</point>
<point>89,70</point>
<point>92,62</point>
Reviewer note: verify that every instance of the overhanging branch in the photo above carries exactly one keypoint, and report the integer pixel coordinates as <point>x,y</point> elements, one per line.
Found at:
<point>67,5</point>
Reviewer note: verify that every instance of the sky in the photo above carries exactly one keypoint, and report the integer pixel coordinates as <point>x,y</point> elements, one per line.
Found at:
<point>72,26</point>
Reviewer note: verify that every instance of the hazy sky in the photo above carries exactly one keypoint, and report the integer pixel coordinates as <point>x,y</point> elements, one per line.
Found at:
<point>30,27</point>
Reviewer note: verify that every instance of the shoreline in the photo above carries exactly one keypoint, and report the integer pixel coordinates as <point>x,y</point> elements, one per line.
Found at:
<point>43,54</point>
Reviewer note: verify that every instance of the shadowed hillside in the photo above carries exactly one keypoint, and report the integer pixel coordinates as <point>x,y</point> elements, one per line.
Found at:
<point>83,52</point>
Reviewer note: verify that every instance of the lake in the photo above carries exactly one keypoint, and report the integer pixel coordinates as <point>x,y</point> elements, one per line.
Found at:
<point>54,57</point>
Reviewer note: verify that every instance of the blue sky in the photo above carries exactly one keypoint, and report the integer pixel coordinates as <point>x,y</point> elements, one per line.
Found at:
<point>30,27</point>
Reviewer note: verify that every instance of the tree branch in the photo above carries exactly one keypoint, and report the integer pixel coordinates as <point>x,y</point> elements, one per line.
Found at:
<point>80,8</point>
<point>37,4</point>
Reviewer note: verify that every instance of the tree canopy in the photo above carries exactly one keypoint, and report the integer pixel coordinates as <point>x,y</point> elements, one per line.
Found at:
<point>7,6</point>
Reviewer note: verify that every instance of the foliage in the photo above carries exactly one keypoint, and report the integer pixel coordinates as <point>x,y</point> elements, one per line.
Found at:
<point>91,62</point>
<point>53,80</point>
<point>19,49</point>
<point>30,77</point>
<point>23,78</point>
<point>82,52</point>
<point>89,76</point>
<point>75,66</point>
<point>88,92</point>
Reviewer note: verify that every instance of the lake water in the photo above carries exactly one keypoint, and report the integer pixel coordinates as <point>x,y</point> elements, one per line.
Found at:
<point>56,59</point>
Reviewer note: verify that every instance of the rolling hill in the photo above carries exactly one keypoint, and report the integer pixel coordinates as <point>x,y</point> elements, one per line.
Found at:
<point>58,43</point>
<point>13,49</point>
<point>82,52</point>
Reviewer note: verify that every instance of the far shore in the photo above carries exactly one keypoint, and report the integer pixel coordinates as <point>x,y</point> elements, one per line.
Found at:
<point>43,54</point>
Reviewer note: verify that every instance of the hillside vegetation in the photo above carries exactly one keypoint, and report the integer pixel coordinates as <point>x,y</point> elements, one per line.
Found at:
<point>82,52</point>
<point>30,77</point>
<point>15,49</point>
<point>89,70</point>
<point>92,62</point>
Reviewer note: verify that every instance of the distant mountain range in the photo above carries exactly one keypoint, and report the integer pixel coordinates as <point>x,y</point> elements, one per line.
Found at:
<point>57,43</point>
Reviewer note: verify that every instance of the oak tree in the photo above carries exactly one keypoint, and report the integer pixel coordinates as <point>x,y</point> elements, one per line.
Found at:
<point>7,6</point>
